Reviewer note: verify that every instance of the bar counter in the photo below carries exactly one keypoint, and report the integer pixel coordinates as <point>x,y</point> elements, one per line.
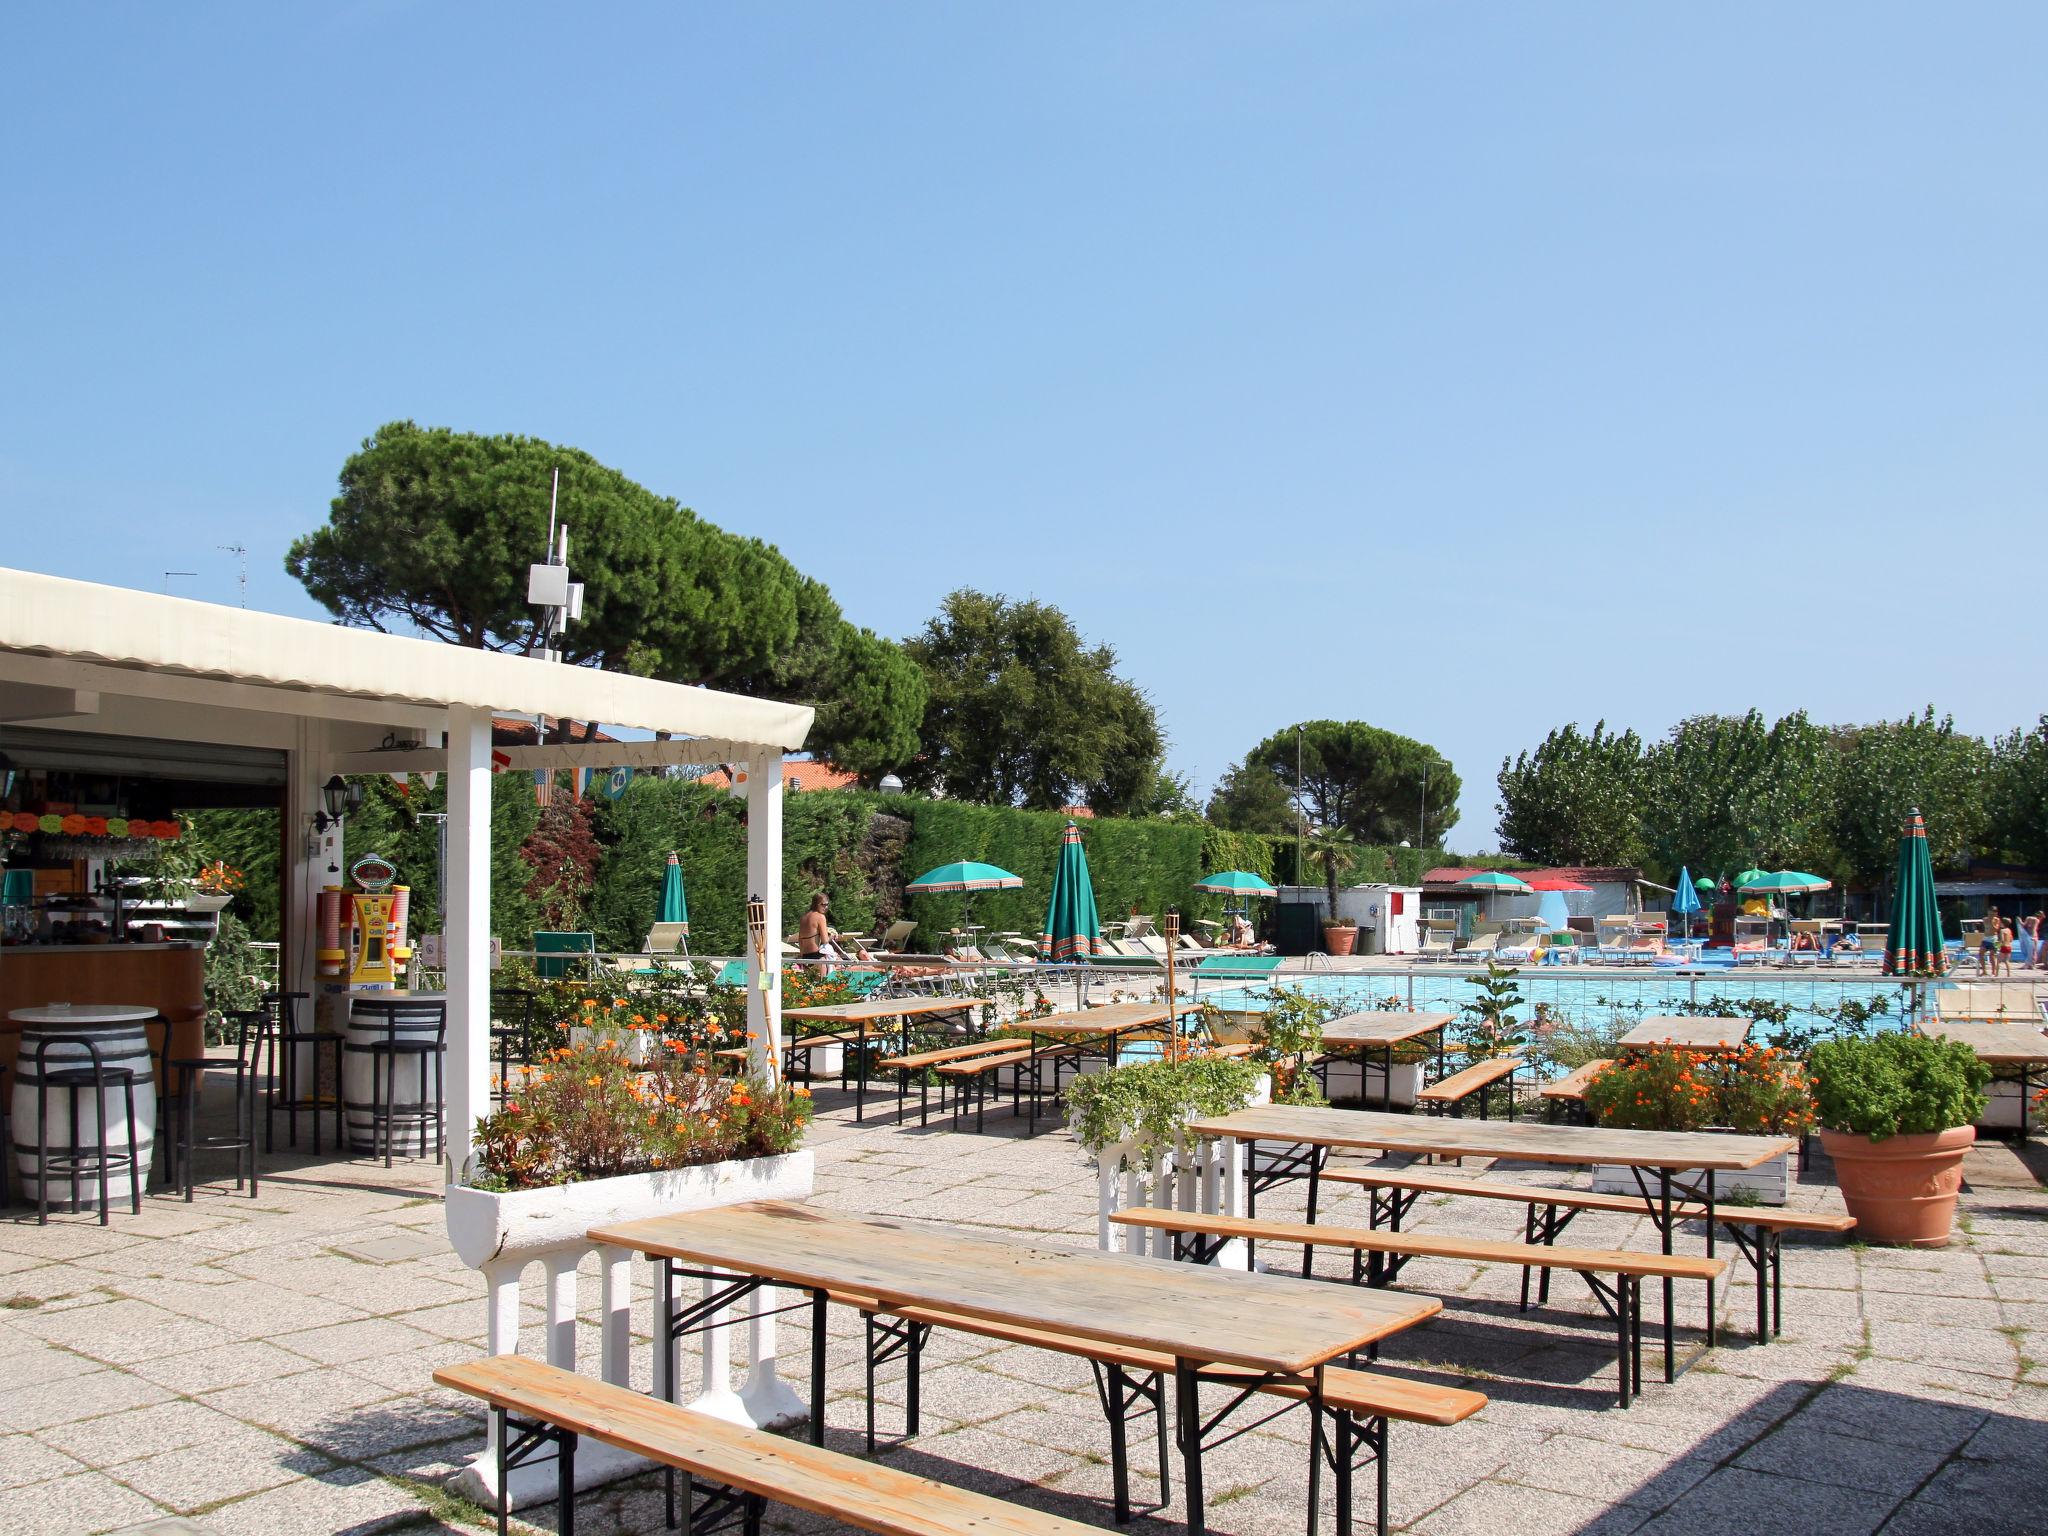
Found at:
<point>168,977</point>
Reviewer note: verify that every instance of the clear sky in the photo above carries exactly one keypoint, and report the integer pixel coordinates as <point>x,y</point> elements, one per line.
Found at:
<point>1466,369</point>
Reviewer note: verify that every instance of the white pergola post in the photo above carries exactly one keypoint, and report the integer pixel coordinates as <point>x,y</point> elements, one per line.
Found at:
<point>764,879</point>
<point>468,938</point>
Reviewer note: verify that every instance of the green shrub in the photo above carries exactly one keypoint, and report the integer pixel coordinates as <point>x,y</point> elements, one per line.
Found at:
<point>1896,1084</point>
<point>1150,1101</point>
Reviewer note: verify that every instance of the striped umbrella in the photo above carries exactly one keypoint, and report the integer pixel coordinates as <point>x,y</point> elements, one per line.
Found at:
<point>1916,940</point>
<point>1072,929</point>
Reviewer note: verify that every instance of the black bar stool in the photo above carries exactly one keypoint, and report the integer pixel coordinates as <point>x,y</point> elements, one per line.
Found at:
<point>511,1033</point>
<point>284,1030</point>
<point>251,1029</point>
<point>412,1029</point>
<point>75,1159</point>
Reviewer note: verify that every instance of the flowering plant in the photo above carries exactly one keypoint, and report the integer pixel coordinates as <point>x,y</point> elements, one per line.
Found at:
<point>585,1112</point>
<point>1757,1089</point>
<point>219,878</point>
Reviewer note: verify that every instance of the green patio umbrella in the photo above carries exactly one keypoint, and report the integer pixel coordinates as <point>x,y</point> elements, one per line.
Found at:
<point>1916,947</point>
<point>1742,880</point>
<point>1073,931</point>
<point>1703,884</point>
<point>1497,881</point>
<point>1239,883</point>
<point>965,876</point>
<point>674,907</point>
<point>1236,882</point>
<point>1789,882</point>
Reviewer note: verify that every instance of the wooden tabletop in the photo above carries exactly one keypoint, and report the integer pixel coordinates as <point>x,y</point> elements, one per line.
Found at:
<point>871,1008</point>
<point>1525,1141</point>
<point>1097,1021</point>
<point>1190,1311</point>
<point>1686,1032</point>
<point>1382,1028</point>
<point>2011,1044</point>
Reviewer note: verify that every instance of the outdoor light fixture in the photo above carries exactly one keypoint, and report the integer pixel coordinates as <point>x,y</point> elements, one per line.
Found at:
<point>891,785</point>
<point>339,800</point>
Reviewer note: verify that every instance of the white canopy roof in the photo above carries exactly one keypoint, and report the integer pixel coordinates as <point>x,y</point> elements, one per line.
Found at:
<point>145,632</point>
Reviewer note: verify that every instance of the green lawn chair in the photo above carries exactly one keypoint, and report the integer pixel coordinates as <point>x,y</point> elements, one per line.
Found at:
<point>1239,967</point>
<point>564,954</point>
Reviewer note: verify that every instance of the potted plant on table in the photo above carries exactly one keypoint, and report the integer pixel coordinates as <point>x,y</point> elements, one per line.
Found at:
<point>1897,1115</point>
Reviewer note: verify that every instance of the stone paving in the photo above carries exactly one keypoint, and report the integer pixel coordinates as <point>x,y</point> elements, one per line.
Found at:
<point>241,1365</point>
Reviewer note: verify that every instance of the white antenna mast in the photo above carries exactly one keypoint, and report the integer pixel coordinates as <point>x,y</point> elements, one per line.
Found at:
<point>241,552</point>
<point>548,586</point>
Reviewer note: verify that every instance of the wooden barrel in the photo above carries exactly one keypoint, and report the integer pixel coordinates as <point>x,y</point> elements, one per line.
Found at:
<point>371,1021</point>
<point>120,1045</point>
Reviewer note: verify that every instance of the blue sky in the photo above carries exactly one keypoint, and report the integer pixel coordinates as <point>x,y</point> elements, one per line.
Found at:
<point>1463,369</point>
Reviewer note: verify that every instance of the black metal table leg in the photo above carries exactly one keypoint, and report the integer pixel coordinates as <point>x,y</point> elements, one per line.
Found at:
<point>1188,1428</point>
<point>1664,1226</point>
<point>1713,1310</point>
<point>818,1346</point>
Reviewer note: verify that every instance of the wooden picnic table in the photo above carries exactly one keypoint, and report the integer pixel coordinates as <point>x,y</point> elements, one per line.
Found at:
<point>1202,1317</point>
<point>1686,1032</point>
<point>1656,1156</point>
<point>1364,1033</point>
<point>2018,1047</point>
<point>1061,1037</point>
<point>861,1020</point>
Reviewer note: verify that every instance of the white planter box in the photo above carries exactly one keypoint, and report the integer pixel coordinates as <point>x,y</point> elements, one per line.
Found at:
<point>501,1234</point>
<point>2002,1109</point>
<point>1770,1181</point>
<point>1366,1081</point>
<point>485,1227</point>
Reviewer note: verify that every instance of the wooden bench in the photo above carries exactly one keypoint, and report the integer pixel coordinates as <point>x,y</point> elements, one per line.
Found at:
<point>1758,1233</point>
<point>971,1078</point>
<point>746,1468</point>
<point>1450,1093</point>
<point>1199,1236</point>
<point>1361,1402</point>
<point>1570,1090</point>
<point>945,1056</point>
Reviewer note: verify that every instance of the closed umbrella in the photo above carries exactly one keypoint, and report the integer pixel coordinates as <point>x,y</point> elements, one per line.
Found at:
<point>1916,947</point>
<point>1072,929</point>
<point>1686,899</point>
<point>965,876</point>
<point>675,908</point>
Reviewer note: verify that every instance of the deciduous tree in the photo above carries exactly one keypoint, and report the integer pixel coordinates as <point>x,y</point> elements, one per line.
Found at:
<point>1577,799</point>
<point>1725,791</point>
<point>1890,768</point>
<point>1020,710</point>
<point>1250,798</point>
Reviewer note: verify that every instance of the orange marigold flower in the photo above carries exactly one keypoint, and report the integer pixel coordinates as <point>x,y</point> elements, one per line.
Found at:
<point>595,1082</point>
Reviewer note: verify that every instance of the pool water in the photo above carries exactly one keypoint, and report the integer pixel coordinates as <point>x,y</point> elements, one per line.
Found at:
<point>1594,1002</point>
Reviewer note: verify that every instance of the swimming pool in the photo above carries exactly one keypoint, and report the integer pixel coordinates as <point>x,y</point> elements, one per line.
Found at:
<point>1598,1002</point>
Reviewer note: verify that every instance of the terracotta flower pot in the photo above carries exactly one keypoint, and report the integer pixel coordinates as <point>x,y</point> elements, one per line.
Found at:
<point>1901,1190</point>
<point>1339,941</point>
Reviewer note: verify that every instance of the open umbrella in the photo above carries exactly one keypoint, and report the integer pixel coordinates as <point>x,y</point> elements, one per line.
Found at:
<point>965,876</point>
<point>1236,882</point>
<point>1787,882</point>
<point>1554,883</point>
<point>1241,884</point>
<point>1498,881</point>
<point>1916,947</point>
<point>1072,929</point>
<point>1686,899</point>
<point>1742,880</point>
